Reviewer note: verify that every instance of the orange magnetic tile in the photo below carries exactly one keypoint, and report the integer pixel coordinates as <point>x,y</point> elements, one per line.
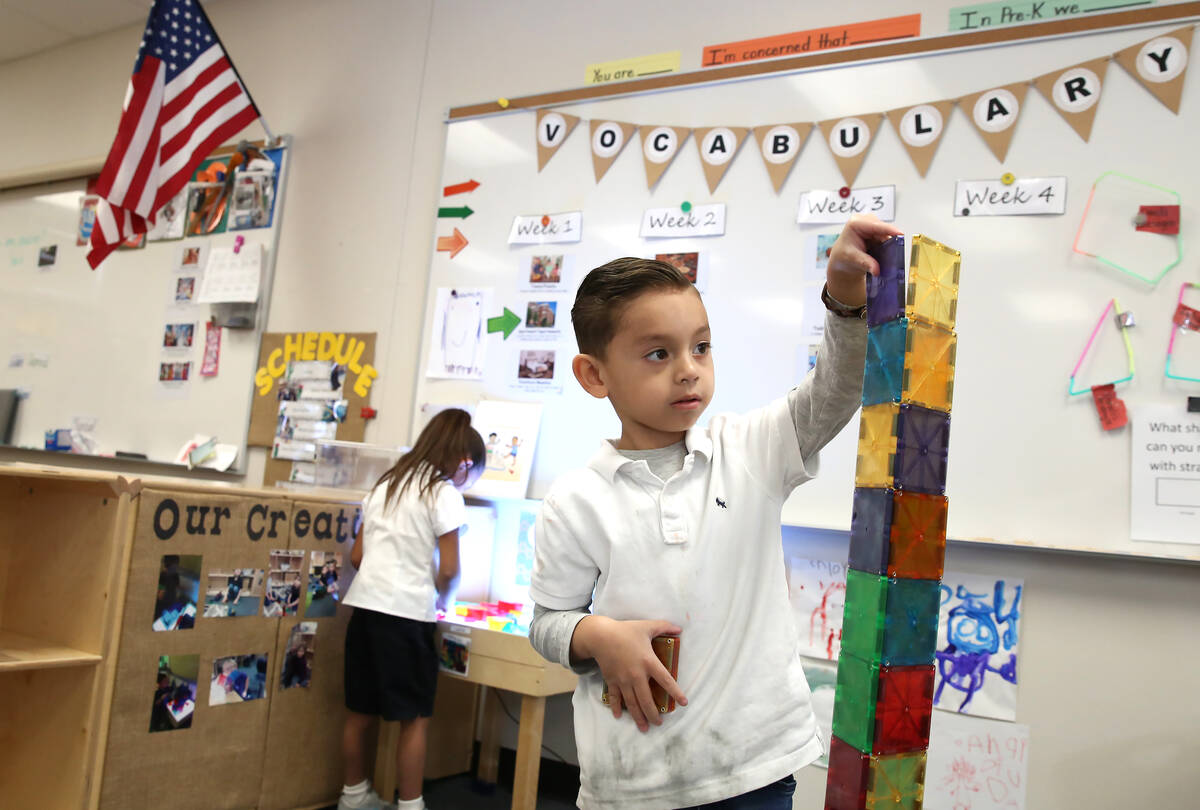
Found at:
<point>933,282</point>
<point>929,366</point>
<point>877,445</point>
<point>917,545</point>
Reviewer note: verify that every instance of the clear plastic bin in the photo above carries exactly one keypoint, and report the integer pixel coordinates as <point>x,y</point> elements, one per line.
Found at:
<point>353,465</point>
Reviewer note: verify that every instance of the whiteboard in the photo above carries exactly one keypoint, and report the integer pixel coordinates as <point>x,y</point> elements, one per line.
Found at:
<point>90,343</point>
<point>1028,464</point>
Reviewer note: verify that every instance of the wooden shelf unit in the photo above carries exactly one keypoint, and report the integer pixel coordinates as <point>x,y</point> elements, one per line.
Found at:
<point>63,552</point>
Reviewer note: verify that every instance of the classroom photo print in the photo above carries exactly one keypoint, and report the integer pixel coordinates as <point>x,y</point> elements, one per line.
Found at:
<point>541,314</point>
<point>174,372</point>
<point>179,335</point>
<point>238,678</point>
<point>298,660</point>
<point>545,269</point>
<point>174,692</point>
<point>323,594</point>
<point>454,654</point>
<point>536,364</point>
<point>686,263</point>
<point>284,586</point>
<point>185,289</point>
<point>178,592</point>
<point>234,592</point>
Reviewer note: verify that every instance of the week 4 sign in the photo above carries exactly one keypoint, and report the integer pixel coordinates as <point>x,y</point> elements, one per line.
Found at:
<point>338,347</point>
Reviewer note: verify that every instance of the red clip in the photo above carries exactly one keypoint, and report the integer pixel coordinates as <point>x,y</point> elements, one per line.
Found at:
<point>1109,406</point>
<point>368,413</point>
<point>237,244</point>
<point>1158,219</point>
<point>1186,317</point>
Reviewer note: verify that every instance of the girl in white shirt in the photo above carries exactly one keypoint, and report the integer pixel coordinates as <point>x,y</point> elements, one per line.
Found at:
<point>407,559</point>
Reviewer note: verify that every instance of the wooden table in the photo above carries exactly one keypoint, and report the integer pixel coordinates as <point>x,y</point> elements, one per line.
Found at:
<point>497,661</point>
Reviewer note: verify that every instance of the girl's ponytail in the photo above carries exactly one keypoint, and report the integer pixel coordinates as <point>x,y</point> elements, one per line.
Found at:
<point>445,442</point>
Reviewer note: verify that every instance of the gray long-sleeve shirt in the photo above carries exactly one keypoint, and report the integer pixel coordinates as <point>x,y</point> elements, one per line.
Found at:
<point>820,405</point>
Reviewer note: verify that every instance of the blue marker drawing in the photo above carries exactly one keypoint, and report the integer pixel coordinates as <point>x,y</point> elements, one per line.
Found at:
<point>977,653</point>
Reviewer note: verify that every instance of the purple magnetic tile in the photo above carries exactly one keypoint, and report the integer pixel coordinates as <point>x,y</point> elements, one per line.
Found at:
<point>922,444</point>
<point>885,292</point>
<point>870,529</point>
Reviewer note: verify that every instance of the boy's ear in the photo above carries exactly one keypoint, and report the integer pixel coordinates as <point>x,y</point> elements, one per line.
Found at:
<point>587,371</point>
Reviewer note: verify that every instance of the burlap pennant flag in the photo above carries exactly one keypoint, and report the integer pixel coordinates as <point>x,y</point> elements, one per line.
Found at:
<point>1160,64</point>
<point>660,145</point>
<point>608,139</point>
<point>717,147</point>
<point>920,129</point>
<point>849,139</point>
<point>779,145</point>
<point>994,113</point>
<point>552,130</point>
<point>1075,92</point>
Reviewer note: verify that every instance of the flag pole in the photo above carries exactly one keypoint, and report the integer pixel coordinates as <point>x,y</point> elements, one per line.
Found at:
<point>271,140</point>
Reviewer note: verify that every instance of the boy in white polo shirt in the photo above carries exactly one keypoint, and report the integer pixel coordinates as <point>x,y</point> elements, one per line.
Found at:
<point>673,528</point>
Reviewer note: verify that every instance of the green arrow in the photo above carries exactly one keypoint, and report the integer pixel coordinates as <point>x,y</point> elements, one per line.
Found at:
<point>506,323</point>
<point>461,212</point>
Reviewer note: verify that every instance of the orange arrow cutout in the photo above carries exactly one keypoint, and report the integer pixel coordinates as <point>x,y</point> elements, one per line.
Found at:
<point>454,243</point>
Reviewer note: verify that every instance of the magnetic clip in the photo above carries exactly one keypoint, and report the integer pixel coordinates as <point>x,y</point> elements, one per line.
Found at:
<point>368,413</point>
<point>1124,319</point>
<point>237,244</point>
<point>1193,404</point>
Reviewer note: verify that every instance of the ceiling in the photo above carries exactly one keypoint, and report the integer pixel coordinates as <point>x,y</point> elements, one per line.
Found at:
<point>30,26</point>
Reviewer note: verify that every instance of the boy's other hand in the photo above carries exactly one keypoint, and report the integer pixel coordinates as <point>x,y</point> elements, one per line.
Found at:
<point>849,263</point>
<point>628,663</point>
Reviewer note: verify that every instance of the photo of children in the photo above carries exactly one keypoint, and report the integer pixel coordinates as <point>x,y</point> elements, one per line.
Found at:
<point>178,591</point>
<point>540,314</point>
<point>454,654</point>
<point>298,660</point>
<point>283,583</point>
<point>323,594</point>
<point>686,263</point>
<point>510,432</point>
<point>175,692</point>
<point>185,289</point>
<point>237,679</point>
<point>536,364</point>
<point>179,335</point>
<point>545,269</point>
<point>237,592</point>
<point>174,372</point>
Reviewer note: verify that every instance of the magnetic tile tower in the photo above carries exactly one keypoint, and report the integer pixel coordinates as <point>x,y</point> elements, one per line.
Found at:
<point>884,698</point>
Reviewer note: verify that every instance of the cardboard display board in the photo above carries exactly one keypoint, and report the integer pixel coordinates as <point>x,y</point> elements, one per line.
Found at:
<point>264,411</point>
<point>217,762</point>
<point>302,766</point>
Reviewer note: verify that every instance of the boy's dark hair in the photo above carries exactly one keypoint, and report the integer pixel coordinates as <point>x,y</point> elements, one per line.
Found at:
<point>607,290</point>
<point>445,441</point>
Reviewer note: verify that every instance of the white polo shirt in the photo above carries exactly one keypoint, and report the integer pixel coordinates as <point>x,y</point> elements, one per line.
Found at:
<point>705,552</point>
<point>399,549</point>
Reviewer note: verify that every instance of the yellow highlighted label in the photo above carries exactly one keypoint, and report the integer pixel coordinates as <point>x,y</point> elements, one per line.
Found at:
<point>634,68</point>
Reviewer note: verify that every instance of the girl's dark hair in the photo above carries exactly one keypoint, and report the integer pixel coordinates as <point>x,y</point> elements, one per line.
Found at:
<point>607,290</point>
<point>442,445</point>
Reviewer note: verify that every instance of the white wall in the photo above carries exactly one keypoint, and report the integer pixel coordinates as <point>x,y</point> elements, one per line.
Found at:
<point>1110,651</point>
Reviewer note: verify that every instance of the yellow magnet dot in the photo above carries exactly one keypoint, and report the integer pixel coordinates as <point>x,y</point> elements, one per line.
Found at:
<point>1007,178</point>
<point>503,102</point>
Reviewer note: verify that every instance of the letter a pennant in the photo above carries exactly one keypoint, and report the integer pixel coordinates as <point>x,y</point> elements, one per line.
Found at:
<point>1160,64</point>
<point>920,129</point>
<point>1075,93</point>
<point>849,139</point>
<point>994,113</point>
<point>608,139</point>
<point>780,145</point>
<point>717,147</point>
<point>552,130</point>
<point>660,145</point>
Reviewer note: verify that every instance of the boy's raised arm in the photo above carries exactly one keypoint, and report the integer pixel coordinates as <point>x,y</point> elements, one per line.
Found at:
<point>825,400</point>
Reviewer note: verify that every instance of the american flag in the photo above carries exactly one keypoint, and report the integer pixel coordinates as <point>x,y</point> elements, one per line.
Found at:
<point>185,99</point>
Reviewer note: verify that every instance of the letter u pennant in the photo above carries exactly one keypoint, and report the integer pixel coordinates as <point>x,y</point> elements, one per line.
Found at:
<point>883,705</point>
<point>849,139</point>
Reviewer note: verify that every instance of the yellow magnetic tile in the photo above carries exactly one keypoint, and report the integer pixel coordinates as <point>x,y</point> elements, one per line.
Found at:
<point>896,782</point>
<point>933,282</point>
<point>877,445</point>
<point>929,366</point>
